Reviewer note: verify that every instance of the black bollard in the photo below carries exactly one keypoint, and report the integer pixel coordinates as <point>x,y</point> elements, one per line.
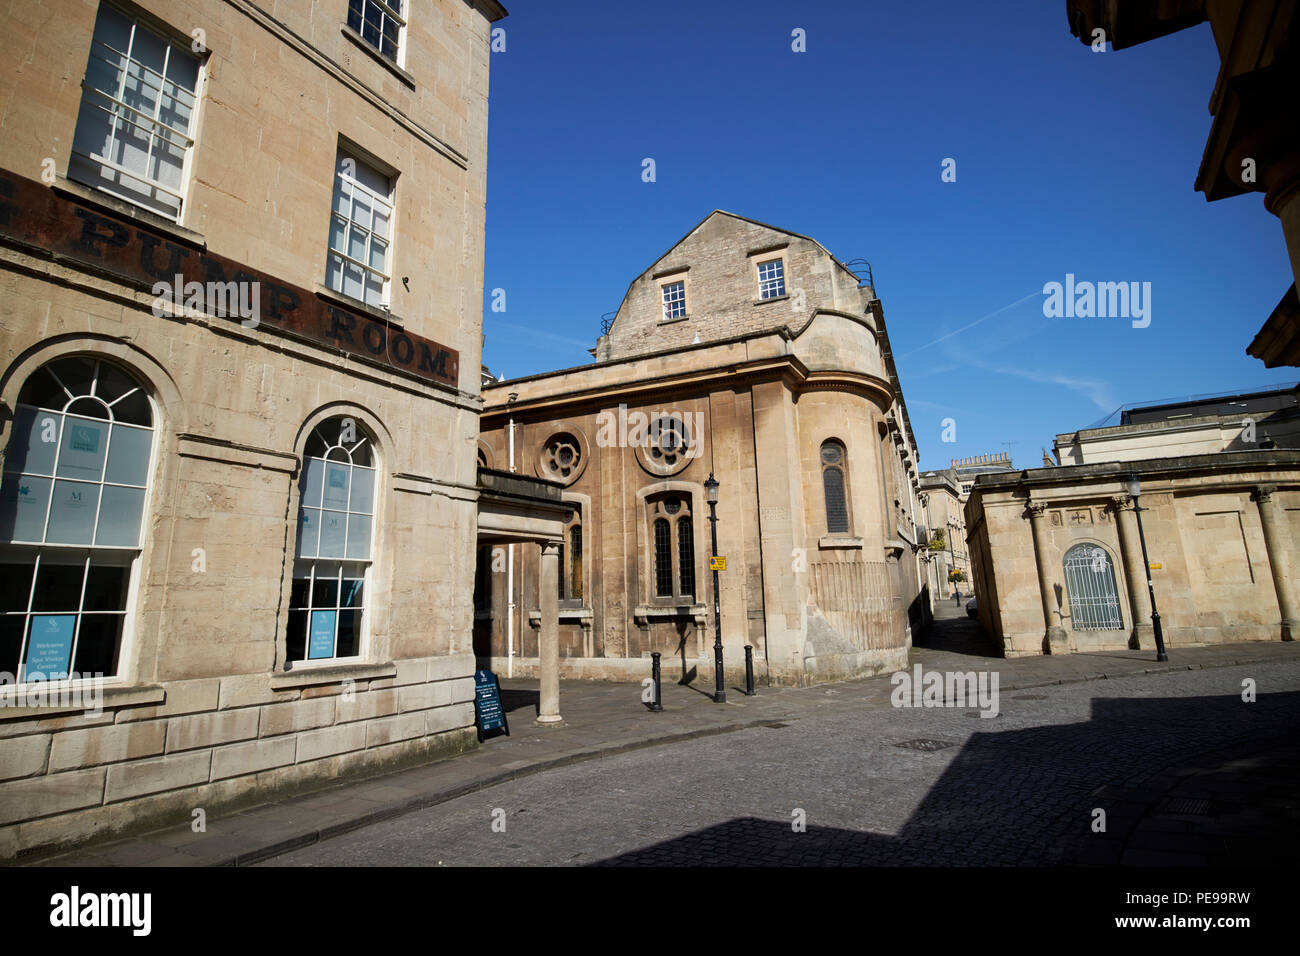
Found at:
<point>749,670</point>
<point>657,705</point>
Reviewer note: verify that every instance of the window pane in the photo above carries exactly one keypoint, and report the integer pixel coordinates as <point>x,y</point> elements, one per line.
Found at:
<point>49,646</point>
<point>363,490</point>
<point>12,627</point>
<point>299,592</point>
<point>17,578</point>
<point>134,408</point>
<point>359,537</point>
<point>686,554</point>
<point>72,512</point>
<point>663,559</point>
<point>22,507</point>
<point>349,634</point>
<point>106,587</point>
<point>128,455</point>
<point>308,532</point>
<point>33,440</point>
<point>333,526</point>
<point>336,486</point>
<point>296,643</point>
<point>325,593</point>
<point>353,592</point>
<point>313,479</point>
<point>97,644</point>
<point>119,517</point>
<point>81,451</point>
<point>837,516</point>
<point>75,373</point>
<point>58,585</point>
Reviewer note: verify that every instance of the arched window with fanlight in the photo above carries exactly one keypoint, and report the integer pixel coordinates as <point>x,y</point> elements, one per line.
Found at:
<point>72,500</point>
<point>1090,584</point>
<point>834,462</point>
<point>672,542</point>
<point>335,541</point>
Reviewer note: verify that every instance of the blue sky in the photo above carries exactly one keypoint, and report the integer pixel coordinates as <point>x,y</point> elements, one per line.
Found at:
<point>1067,161</point>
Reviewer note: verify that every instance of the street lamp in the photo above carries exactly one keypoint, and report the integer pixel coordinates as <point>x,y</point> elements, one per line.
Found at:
<point>711,496</point>
<point>1134,490</point>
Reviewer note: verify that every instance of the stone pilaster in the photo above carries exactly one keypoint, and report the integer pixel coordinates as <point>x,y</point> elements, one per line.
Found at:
<point>1139,601</point>
<point>548,639</point>
<point>1055,640</point>
<point>1275,543</point>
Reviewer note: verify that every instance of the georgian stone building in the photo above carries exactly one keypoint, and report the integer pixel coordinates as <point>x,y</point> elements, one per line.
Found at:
<point>241,252</point>
<point>751,353</point>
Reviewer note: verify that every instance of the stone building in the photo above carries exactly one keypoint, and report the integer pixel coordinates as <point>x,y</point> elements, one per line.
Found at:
<point>751,353</point>
<point>942,504</point>
<point>1269,418</point>
<point>241,249</point>
<point>1058,559</point>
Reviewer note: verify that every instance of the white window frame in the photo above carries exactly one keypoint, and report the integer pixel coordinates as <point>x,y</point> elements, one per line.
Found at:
<point>765,284</point>
<point>387,11</point>
<point>118,108</point>
<point>673,297</point>
<point>349,184</point>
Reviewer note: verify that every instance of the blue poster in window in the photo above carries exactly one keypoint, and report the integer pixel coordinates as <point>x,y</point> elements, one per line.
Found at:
<point>321,643</point>
<point>49,646</point>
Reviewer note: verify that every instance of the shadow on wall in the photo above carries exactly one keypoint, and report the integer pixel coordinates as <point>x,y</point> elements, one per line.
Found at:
<point>1027,797</point>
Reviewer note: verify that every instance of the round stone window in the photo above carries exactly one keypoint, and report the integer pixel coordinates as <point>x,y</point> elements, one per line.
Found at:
<point>563,457</point>
<point>669,445</point>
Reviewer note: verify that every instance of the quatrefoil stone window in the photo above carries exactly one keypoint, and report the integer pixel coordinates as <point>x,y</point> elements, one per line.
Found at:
<point>562,456</point>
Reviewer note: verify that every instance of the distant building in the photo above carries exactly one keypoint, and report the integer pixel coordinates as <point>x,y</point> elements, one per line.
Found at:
<point>947,551</point>
<point>1264,419</point>
<point>968,469</point>
<point>748,352</point>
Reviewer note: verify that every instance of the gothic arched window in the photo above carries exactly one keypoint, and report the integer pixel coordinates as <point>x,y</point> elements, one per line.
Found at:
<point>834,462</point>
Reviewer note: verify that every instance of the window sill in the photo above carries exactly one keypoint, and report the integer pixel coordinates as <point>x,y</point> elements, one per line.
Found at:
<point>120,207</point>
<point>582,615</point>
<point>378,57</point>
<point>680,318</point>
<point>307,675</point>
<point>775,298</point>
<point>356,305</point>
<point>643,614</point>
<point>830,541</point>
<point>113,697</point>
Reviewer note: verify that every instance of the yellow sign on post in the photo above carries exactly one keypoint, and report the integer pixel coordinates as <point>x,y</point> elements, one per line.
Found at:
<point>717,563</point>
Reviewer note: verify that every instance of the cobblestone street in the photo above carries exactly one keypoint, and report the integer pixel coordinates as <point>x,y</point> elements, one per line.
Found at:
<point>1186,772</point>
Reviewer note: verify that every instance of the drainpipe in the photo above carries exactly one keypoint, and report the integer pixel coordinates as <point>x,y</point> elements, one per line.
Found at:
<point>510,574</point>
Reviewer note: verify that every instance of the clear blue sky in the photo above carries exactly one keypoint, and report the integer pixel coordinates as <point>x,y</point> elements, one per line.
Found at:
<point>1067,161</point>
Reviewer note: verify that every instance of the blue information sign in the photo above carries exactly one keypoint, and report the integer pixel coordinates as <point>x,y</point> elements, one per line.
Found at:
<point>322,635</point>
<point>49,646</point>
<point>487,703</point>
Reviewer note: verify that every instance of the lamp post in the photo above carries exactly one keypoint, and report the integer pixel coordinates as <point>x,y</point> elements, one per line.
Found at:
<point>711,496</point>
<point>1134,490</point>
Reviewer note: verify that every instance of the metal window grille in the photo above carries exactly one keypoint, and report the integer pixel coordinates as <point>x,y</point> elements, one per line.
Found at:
<point>686,554</point>
<point>663,559</point>
<point>675,300</point>
<point>771,279</point>
<point>1090,583</point>
<point>837,515</point>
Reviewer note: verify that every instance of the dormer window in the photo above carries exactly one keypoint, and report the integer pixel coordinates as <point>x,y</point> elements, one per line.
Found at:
<point>771,279</point>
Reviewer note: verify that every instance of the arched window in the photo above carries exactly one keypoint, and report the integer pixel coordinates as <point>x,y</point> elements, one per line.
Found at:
<point>335,533</point>
<point>1090,583</point>
<point>571,561</point>
<point>673,542</point>
<point>76,474</point>
<point>834,462</point>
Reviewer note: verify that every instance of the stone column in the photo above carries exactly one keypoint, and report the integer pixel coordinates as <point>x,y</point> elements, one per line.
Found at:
<point>548,637</point>
<point>1055,640</point>
<point>1135,577</point>
<point>1276,539</point>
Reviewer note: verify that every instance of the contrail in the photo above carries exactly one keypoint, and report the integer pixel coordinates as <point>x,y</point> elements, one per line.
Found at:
<point>971,326</point>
